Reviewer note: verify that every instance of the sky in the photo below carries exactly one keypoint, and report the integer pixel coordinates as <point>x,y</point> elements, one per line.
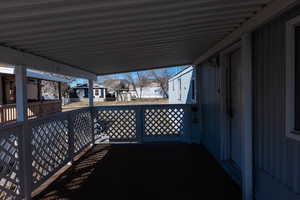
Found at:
<point>171,70</point>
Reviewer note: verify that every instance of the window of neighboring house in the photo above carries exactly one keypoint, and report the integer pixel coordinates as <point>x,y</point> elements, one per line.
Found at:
<point>96,92</point>
<point>293,79</point>
<point>193,90</point>
<point>179,86</point>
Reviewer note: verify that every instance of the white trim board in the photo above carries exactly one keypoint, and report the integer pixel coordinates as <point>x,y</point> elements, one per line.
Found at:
<point>265,15</point>
<point>34,74</point>
<point>246,114</point>
<point>290,80</point>
<point>18,58</point>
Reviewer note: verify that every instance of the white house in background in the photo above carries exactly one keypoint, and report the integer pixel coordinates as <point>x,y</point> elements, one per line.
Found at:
<point>182,87</point>
<point>82,92</point>
<point>151,91</point>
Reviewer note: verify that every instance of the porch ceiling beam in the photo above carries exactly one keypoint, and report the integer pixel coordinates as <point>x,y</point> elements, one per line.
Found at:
<point>16,57</point>
<point>269,12</point>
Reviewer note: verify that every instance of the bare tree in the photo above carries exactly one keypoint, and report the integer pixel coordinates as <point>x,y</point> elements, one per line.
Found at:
<point>101,79</point>
<point>130,78</point>
<point>143,81</point>
<point>161,76</point>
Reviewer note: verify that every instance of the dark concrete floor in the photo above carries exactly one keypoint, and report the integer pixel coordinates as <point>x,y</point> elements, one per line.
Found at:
<point>148,171</point>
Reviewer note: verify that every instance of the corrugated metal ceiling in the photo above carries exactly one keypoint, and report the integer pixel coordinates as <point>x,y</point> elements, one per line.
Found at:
<point>117,36</point>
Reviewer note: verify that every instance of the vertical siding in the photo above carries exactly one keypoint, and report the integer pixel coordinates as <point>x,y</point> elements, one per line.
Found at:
<point>275,154</point>
<point>186,77</point>
<point>210,109</point>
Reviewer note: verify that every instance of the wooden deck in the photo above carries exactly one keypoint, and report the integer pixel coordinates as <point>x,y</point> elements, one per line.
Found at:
<point>147,171</point>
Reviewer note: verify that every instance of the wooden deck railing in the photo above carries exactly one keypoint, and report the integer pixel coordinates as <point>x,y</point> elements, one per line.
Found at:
<point>36,109</point>
<point>34,150</point>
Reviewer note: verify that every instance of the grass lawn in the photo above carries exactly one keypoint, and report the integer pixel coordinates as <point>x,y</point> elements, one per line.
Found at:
<point>81,104</point>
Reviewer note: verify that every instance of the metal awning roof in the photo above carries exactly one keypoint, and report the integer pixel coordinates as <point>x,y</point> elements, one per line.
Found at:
<point>108,36</point>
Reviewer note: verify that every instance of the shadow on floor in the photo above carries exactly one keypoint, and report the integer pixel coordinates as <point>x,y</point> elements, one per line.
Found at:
<point>148,171</point>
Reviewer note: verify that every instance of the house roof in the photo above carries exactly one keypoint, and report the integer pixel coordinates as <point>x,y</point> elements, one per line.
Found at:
<point>35,74</point>
<point>181,72</point>
<point>85,85</point>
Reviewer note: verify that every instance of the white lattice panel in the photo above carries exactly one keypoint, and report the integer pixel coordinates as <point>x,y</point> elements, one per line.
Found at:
<point>82,124</point>
<point>116,123</point>
<point>10,186</point>
<point>49,148</point>
<point>164,121</point>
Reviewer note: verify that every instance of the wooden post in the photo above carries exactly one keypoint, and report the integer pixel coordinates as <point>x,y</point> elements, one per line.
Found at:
<point>1,90</point>
<point>247,156</point>
<point>21,110</point>
<point>25,161</point>
<point>39,89</point>
<point>71,138</point>
<point>140,123</point>
<point>21,93</point>
<point>91,93</point>
<point>1,100</point>
<point>93,122</point>
<point>187,124</point>
<point>59,91</point>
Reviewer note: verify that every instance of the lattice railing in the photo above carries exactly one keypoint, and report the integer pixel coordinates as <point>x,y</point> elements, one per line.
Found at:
<point>142,123</point>
<point>164,121</point>
<point>116,123</point>
<point>33,151</point>
<point>49,148</point>
<point>10,174</point>
<point>83,130</point>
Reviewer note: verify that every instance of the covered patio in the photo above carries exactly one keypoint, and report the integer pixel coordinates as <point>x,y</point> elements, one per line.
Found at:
<point>89,38</point>
<point>129,171</point>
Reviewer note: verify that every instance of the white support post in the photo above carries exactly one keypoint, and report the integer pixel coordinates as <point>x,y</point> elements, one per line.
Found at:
<point>104,93</point>
<point>21,93</point>
<point>140,123</point>
<point>91,105</point>
<point>91,93</point>
<point>21,111</point>
<point>247,158</point>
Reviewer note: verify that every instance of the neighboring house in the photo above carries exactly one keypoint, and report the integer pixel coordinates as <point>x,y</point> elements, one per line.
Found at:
<point>82,92</point>
<point>117,89</point>
<point>43,93</point>
<point>182,87</point>
<point>151,91</point>
<point>122,90</point>
<point>35,84</point>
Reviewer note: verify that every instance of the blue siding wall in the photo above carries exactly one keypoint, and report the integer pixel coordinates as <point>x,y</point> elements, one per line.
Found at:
<point>210,106</point>
<point>183,94</point>
<point>277,158</point>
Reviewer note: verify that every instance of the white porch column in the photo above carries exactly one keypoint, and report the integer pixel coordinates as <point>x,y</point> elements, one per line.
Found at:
<point>91,93</point>
<point>104,93</point>
<point>1,91</point>
<point>21,93</point>
<point>247,140</point>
